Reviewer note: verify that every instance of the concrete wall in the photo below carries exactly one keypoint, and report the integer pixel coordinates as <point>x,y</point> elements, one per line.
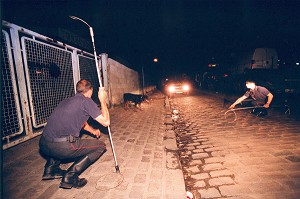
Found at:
<point>122,80</point>
<point>149,89</point>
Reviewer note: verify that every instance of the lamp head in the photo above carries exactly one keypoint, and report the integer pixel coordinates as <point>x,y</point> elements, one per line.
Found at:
<point>73,17</point>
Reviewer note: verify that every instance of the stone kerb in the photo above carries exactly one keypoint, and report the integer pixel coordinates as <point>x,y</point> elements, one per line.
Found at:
<point>174,177</point>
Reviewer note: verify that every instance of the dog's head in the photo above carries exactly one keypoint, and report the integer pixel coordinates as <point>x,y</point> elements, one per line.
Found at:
<point>141,98</point>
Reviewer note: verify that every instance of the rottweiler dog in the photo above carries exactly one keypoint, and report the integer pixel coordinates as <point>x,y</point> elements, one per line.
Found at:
<point>135,99</point>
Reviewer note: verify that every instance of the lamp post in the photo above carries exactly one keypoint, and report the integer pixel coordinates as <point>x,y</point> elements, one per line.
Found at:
<point>155,60</point>
<point>100,83</point>
<point>143,75</point>
<point>93,41</point>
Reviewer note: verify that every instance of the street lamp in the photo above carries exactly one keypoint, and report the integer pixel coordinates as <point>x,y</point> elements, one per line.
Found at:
<point>93,41</point>
<point>155,60</point>
<point>100,82</point>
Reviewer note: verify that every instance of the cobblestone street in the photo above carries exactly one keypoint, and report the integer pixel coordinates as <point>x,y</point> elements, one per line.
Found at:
<point>251,158</point>
<point>140,142</point>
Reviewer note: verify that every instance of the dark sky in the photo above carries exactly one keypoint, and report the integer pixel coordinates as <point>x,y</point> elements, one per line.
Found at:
<point>183,34</point>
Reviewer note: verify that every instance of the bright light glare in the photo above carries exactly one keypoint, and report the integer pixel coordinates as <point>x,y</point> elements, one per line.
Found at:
<point>171,88</point>
<point>186,88</point>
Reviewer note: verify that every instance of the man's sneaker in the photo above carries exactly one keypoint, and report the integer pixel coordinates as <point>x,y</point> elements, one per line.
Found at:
<point>254,111</point>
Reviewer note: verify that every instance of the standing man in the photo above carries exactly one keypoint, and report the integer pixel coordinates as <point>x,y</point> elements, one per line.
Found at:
<point>260,95</point>
<point>61,141</point>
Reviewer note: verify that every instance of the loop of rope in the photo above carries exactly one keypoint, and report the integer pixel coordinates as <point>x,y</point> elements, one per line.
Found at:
<point>237,109</point>
<point>108,188</point>
<point>235,116</point>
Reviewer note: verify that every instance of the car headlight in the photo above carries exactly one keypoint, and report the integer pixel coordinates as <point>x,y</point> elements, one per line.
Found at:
<point>171,89</point>
<point>186,87</point>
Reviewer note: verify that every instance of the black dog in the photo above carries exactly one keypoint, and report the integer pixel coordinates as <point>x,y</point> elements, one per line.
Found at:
<point>133,98</point>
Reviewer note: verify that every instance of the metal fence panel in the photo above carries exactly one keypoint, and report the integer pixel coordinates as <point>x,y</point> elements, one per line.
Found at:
<point>88,71</point>
<point>11,114</point>
<point>49,75</point>
<point>38,73</point>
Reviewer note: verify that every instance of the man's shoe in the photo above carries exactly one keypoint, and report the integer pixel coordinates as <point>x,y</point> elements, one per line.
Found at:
<point>72,180</point>
<point>262,113</point>
<point>52,170</point>
<point>254,111</point>
<point>50,173</point>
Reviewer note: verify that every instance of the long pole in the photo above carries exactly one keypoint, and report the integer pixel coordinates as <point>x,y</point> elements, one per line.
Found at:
<point>100,83</point>
<point>244,108</point>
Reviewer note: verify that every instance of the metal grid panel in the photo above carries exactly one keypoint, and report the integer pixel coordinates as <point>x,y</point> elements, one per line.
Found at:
<point>88,71</point>
<point>49,75</point>
<point>11,114</point>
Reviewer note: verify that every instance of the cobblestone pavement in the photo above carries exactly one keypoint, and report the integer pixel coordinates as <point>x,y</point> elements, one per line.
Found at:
<point>146,152</point>
<point>250,158</point>
<point>255,158</point>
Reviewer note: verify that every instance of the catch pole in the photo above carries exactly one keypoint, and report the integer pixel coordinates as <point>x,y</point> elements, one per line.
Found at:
<point>100,83</point>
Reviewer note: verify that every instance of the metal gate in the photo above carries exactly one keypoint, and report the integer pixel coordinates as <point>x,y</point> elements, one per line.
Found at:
<point>38,73</point>
<point>88,71</point>
<point>11,114</point>
<point>49,78</point>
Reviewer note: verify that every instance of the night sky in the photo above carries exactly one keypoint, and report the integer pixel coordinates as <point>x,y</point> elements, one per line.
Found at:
<point>185,35</point>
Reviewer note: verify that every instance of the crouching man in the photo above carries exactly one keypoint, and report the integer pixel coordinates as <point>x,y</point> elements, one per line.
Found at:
<point>60,139</point>
<point>260,97</point>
